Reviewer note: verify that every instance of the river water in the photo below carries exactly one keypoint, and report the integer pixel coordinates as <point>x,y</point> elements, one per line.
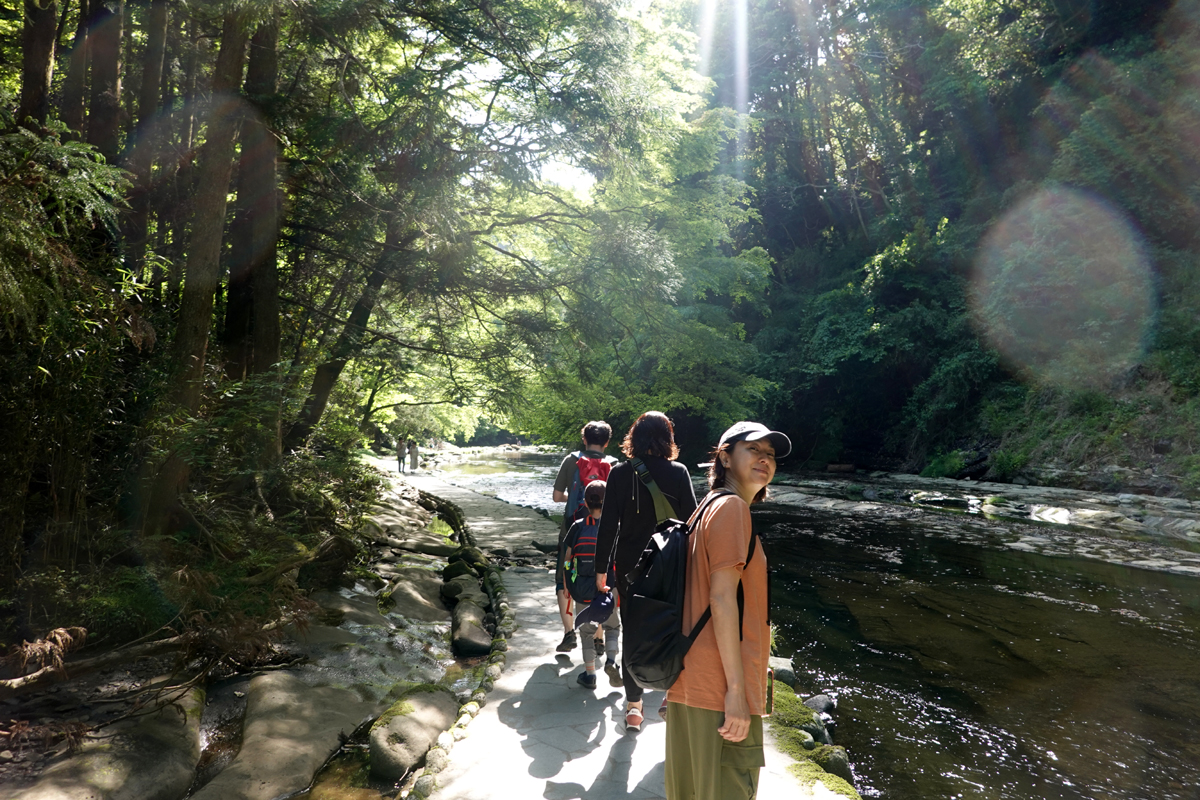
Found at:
<point>964,667</point>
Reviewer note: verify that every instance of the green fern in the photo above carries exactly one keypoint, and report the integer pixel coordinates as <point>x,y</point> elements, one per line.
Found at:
<point>53,192</point>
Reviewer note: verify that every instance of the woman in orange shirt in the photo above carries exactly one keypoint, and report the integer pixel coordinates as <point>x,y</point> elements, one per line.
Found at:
<point>715,708</point>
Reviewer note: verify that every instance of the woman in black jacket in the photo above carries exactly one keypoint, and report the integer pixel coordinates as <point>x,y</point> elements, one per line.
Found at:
<point>629,519</point>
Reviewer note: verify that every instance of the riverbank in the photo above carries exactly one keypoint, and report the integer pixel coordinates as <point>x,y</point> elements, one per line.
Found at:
<point>387,654</point>
<point>158,729</point>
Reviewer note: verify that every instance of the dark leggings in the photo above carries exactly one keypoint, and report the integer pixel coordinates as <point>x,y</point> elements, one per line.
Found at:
<point>633,692</point>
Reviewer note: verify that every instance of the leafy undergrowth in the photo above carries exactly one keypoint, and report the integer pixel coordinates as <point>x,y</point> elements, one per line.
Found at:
<point>224,581</point>
<point>1146,427</point>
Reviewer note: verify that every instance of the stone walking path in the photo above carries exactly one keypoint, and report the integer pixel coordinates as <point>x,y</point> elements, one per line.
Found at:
<point>542,735</point>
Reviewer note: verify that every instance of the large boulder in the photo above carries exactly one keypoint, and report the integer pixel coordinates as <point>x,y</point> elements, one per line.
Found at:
<point>428,543</point>
<point>404,733</point>
<point>152,757</point>
<point>468,637</point>
<point>834,760</point>
<point>464,587</point>
<point>417,595</point>
<point>783,671</point>
<point>291,728</point>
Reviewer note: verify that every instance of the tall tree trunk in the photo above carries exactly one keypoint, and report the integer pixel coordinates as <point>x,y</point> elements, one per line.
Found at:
<point>253,231</point>
<point>191,59</point>
<point>348,341</point>
<point>104,47</point>
<point>145,146</point>
<point>267,311</point>
<point>37,59</point>
<point>176,216</point>
<point>252,298</point>
<point>75,85</point>
<point>203,271</point>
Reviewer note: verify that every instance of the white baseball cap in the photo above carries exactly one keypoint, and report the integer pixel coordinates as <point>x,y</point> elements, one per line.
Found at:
<point>745,431</point>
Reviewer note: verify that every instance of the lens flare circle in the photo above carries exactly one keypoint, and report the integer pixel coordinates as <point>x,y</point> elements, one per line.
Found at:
<point>1063,289</point>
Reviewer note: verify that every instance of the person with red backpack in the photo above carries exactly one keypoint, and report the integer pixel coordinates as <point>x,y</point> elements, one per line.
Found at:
<point>577,470</point>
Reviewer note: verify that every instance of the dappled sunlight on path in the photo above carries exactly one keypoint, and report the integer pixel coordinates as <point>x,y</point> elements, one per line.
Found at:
<point>541,735</point>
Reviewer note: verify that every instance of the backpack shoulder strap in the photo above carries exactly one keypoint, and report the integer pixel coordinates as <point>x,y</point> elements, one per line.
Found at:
<point>662,506</point>
<point>741,597</point>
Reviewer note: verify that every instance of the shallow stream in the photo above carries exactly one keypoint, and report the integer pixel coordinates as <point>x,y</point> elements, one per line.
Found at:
<point>964,663</point>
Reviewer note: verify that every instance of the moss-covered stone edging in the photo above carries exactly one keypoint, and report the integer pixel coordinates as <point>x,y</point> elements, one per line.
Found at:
<point>450,513</point>
<point>801,735</point>
<point>500,622</point>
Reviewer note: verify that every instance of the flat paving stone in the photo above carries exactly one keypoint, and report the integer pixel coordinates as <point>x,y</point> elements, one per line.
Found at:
<point>541,735</point>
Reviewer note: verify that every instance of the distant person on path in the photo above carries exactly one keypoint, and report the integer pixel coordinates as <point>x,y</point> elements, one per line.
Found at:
<point>629,519</point>
<point>401,453</point>
<point>568,488</point>
<point>578,563</point>
<point>714,724</point>
<point>412,455</point>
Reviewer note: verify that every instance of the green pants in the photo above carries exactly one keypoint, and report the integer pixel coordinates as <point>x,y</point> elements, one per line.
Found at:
<point>703,766</point>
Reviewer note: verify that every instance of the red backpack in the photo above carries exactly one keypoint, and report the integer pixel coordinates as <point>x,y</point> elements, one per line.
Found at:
<point>588,469</point>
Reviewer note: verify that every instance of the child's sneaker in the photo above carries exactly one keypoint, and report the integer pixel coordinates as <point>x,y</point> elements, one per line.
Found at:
<point>587,679</point>
<point>613,673</point>
<point>633,718</point>
<point>568,643</point>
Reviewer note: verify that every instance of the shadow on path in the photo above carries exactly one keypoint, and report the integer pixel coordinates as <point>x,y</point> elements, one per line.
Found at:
<point>560,724</point>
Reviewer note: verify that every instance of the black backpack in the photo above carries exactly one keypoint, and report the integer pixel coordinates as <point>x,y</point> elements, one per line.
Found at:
<point>578,557</point>
<point>655,643</point>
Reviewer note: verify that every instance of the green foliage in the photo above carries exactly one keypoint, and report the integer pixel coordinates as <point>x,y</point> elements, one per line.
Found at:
<point>52,192</point>
<point>113,604</point>
<point>1144,425</point>
<point>1003,465</point>
<point>944,465</point>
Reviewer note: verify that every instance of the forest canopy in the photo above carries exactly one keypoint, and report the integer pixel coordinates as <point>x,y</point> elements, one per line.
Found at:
<point>240,240</point>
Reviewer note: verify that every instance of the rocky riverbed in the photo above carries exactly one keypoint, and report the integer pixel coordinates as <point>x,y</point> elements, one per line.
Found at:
<point>395,661</point>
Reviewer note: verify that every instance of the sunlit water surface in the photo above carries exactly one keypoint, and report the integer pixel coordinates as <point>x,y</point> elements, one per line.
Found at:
<point>963,667</point>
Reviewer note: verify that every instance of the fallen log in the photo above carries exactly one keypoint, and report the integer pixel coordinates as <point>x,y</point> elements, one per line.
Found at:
<point>49,673</point>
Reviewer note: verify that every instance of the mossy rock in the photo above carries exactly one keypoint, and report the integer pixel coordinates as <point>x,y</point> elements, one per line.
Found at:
<point>456,568</point>
<point>401,737</point>
<point>399,694</point>
<point>790,710</point>
<point>472,555</point>
<point>795,727</point>
<point>832,759</point>
<point>795,742</point>
<point>809,774</point>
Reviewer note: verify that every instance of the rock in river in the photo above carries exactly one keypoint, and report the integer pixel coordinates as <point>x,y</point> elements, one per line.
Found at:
<point>468,636</point>
<point>401,737</point>
<point>821,703</point>
<point>291,728</point>
<point>417,594</point>
<point>152,757</point>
